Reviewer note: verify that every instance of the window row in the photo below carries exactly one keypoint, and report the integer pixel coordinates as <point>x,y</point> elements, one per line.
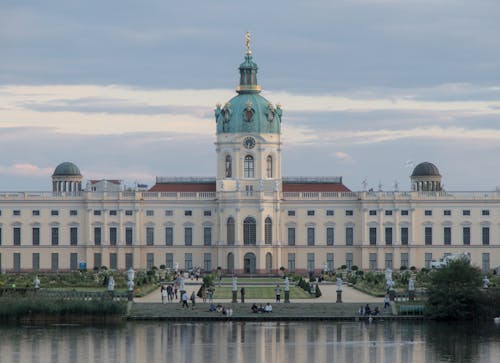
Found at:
<point>465,212</point>
<point>37,212</point>
<point>248,166</point>
<point>465,237</point>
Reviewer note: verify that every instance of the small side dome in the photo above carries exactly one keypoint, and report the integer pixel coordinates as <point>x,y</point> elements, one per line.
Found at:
<point>426,178</point>
<point>426,169</point>
<point>67,169</point>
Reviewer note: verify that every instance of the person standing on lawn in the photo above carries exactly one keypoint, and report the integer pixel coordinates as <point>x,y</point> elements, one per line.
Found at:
<point>278,293</point>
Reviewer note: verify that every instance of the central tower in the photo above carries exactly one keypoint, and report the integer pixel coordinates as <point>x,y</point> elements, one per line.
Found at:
<point>249,180</point>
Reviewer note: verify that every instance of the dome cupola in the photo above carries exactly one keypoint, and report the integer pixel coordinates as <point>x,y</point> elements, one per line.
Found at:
<point>66,178</point>
<point>426,178</point>
<point>248,112</point>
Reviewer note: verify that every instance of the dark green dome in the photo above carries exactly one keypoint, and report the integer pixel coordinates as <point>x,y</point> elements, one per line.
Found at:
<point>248,112</point>
<point>67,169</point>
<point>426,169</point>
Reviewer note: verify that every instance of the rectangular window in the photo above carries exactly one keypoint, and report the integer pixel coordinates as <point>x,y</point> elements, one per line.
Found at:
<point>249,190</point>
<point>329,212</point>
<point>388,212</point>
<point>373,261</point>
<point>349,236</point>
<point>486,235</point>
<point>207,236</point>
<point>310,262</point>
<point>169,236</point>
<point>310,236</point>
<point>169,260</point>
<point>188,213</point>
<point>428,212</point>
<point>207,213</point>
<point>150,261</point>
<point>404,236</point>
<point>291,262</point>
<point>97,260</point>
<point>35,261</point>
<point>447,212</point>
<point>329,236</point>
<point>447,235</point>
<point>169,213</point>
<point>388,236</point>
<point>310,212</point>
<point>150,236</point>
<point>113,236</point>
<point>428,235</point>
<point>54,262</point>
<point>291,213</point>
<point>35,236</point>
<point>113,261</point>
<point>427,260</point>
<point>73,261</point>
<point>17,212</point>
<point>129,236</point>
<point>466,212</point>
<point>97,212</point>
<point>113,212</point>
<point>129,261</point>
<point>16,261</point>
<point>150,213</point>
<point>348,260</point>
<point>388,260</point>
<point>485,265</point>
<point>404,212</point>
<point>35,212</point>
<point>404,260</point>
<point>485,212</point>
<point>188,261</point>
<point>372,212</point>
<point>188,236</point>
<point>73,236</point>
<point>349,212</point>
<point>291,236</point>
<point>55,236</point>
<point>207,262</point>
<point>329,261</point>
<point>73,212</point>
<point>466,235</point>
<point>97,236</point>
<point>17,236</point>
<point>129,212</point>
<point>373,235</point>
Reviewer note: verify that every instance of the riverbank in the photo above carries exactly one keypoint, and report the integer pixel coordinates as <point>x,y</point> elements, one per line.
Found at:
<point>242,312</point>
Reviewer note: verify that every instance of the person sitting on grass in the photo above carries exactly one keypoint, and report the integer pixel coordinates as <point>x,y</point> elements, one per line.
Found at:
<point>255,308</point>
<point>219,308</point>
<point>212,308</point>
<point>376,311</point>
<point>368,311</point>
<point>268,308</point>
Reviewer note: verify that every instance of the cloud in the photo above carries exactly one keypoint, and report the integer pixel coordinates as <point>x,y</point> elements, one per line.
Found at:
<point>342,156</point>
<point>28,170</point>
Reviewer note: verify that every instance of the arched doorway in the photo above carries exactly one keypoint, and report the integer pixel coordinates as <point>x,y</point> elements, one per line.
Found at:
<point>269,262</point>
<point>230,263</point>
<point>249,263</point>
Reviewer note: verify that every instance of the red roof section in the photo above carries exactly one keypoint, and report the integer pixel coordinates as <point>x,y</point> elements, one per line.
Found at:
<point>315,187</point>
<point>183,187</point>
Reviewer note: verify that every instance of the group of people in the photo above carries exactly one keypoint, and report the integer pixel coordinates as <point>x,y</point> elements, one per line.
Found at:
<point>207,293</point>
<point>227,312</point>
<point>169,292</point>
<point>262,309</point>
<point>367,311</point>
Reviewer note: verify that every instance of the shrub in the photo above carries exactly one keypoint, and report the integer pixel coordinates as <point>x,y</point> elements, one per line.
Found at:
<point>318,291</point>
<point>354,268</point>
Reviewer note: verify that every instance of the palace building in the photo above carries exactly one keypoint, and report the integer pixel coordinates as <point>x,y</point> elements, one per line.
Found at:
<point>249,218</point>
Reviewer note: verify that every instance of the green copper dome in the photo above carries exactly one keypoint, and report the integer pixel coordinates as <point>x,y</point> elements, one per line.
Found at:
<point>248,112</point>
<point>65,169</point>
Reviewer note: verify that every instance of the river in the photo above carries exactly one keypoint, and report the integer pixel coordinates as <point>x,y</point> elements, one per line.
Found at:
<point>379,341</point>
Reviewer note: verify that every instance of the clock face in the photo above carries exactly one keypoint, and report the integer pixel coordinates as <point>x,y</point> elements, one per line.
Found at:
<point>249,142</point>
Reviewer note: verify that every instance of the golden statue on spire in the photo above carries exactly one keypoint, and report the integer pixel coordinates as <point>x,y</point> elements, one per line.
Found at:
<point>247,43</point>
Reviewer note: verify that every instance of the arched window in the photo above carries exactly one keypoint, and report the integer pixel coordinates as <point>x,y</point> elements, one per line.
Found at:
<point>229,167</point>
<point>269,166</point>
<point>249,231</point>
<point>268,231</point>
<point>249,167</point>
<point>230,231</point>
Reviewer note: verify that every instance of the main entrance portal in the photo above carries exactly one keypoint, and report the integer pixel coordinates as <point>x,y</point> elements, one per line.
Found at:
<point>249,263</point>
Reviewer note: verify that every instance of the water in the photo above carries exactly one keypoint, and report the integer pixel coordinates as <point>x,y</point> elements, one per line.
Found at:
<point>254,342</point>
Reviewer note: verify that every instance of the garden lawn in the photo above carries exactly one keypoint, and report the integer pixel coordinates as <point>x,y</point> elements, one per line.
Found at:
<point>260,292</point>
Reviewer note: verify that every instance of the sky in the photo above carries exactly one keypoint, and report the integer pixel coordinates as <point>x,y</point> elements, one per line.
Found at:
<point>369,88</point>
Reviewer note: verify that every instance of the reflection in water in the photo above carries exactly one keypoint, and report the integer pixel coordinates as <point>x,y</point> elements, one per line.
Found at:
<point>254,342</point>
